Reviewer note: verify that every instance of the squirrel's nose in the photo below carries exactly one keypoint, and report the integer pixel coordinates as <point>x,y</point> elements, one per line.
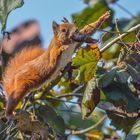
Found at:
<point>75,31</point>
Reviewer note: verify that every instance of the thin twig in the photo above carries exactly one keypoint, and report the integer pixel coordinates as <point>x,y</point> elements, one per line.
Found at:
<point>68,95</point>
<point>70,111</point>
<point>112,32</point>
<point>78,88</point>
<point>5,129</point>
<point>118,38</point>
<point>56,99</point>
<point>27,98</point>
<point>117,29</point>
<point>89,128</point>
<point>74,93</point>
<point>137,37</point>
<point>124,45</point>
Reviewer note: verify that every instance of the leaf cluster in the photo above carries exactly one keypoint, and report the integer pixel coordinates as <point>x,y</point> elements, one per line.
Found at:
<point>92,85</point>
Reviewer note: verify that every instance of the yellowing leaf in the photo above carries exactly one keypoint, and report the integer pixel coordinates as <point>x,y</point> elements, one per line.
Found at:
<point>87,59</point>
<point>95,135</point>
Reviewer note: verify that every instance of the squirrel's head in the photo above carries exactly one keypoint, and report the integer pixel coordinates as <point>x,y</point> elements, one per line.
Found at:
<point>63,32</point>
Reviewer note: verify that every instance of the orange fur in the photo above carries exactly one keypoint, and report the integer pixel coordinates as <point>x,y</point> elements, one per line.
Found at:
<point>32,66</point>
<point>26,55</point>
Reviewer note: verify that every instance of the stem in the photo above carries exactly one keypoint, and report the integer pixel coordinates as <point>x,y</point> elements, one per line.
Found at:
<point>69,94</point>
<point>74,93</point>
<point>60,100</point>
<point>89,128</point>
<point>104,48</point>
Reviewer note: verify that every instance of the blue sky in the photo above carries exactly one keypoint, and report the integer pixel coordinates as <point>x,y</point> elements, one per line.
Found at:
<point>45,11</point>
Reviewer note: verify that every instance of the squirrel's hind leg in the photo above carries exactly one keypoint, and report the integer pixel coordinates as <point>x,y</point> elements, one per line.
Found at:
<point>11,104</point>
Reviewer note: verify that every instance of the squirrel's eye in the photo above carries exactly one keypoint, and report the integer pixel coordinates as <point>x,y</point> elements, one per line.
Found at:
<point>63,30</point>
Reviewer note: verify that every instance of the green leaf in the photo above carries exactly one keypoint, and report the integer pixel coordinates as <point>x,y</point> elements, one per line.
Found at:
<point>86,59</point>
<point>122,76</point>
<point>6,6</point>
<point>134,133</point>
<point>121,96</point>
<point>75,121</point>
<point>91,98</point>
<point>106,78</point>
<point>121,122</point>
<point>91,14</point>
<point>48,115</point>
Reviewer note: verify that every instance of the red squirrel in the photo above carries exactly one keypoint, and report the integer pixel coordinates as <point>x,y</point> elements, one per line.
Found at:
<point>31,67</point>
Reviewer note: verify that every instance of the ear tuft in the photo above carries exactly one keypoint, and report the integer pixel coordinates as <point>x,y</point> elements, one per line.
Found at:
<point>65,20</point>
<point>55,27</point>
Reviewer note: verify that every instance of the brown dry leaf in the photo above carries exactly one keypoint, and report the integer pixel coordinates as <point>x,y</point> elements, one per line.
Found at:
<point>25,123</point>
<point>92,28</point>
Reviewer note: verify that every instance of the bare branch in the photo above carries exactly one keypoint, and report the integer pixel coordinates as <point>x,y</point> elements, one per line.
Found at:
<point>74,93</point>
<point>119,37</point>
<point>60,100</point>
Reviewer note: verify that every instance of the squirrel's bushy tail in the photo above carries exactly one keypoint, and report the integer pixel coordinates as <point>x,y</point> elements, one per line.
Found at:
<point>21,58</point>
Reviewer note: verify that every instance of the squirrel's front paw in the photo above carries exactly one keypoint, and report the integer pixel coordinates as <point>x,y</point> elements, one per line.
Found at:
<point>64,47</point>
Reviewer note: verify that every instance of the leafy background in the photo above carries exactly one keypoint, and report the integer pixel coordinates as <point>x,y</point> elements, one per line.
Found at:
<point>82,13</point>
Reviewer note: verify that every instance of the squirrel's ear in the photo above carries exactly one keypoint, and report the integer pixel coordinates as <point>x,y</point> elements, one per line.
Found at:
<point>65,20</point>
<point>55,27</point>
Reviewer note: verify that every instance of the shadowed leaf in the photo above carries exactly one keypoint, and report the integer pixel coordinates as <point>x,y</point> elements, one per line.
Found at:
<point>120,95</point>
<point>121,122</point>
<point>91,98</point>
<point>106,78</point>
<point>47,115</point>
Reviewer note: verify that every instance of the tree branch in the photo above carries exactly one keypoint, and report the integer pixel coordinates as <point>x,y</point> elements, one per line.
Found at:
<point>74,93</point>
<point>60,100</point>
<point>69,94</point>
<point>119,37</point>
<point>89,128</point>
